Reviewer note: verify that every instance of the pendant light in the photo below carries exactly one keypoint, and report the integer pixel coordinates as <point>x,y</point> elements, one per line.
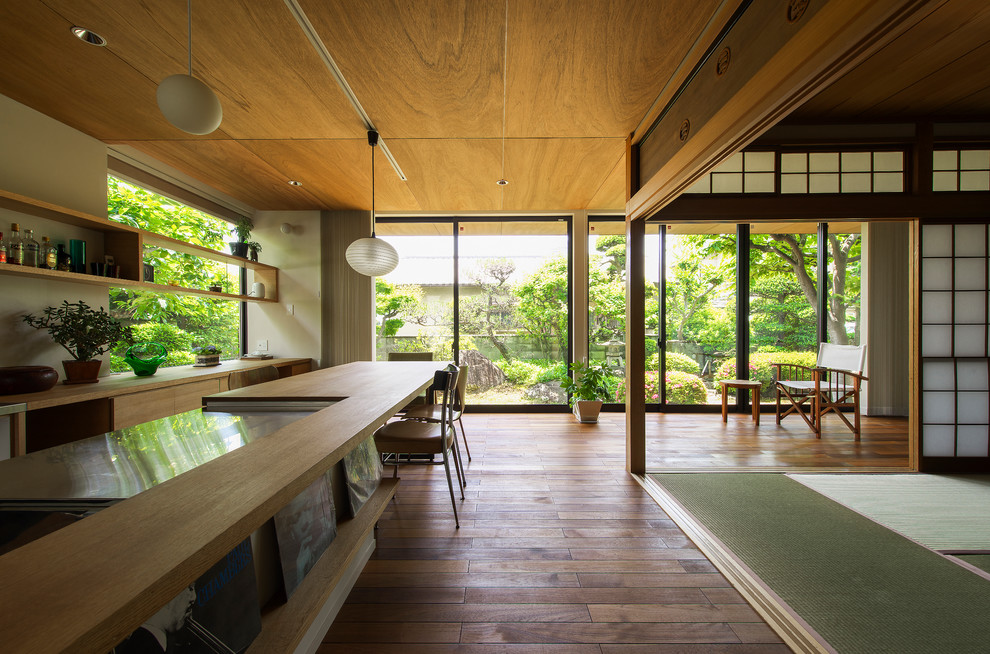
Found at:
<point>372,256</point>
<point>187,102</point>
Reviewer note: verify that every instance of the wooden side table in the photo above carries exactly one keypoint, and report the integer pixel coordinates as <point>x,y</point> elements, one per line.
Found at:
<point>754,386</point>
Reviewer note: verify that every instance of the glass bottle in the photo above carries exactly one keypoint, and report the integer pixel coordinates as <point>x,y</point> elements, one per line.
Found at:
<point>3,249</point>
<point>64,260</point>
<point>30,248</point>
<point>47,257</point>
<point>15,250</point>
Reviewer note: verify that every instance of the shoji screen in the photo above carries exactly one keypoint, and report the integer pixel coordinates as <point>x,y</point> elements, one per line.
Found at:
<point>955,346</point>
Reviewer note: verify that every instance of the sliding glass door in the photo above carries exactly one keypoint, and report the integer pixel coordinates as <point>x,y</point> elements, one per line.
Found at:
<point>492,295</point>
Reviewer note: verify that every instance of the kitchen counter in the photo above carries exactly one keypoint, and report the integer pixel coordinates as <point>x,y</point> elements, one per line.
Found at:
<point>88,585</point>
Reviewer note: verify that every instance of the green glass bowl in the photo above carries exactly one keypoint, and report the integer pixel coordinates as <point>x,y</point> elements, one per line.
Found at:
<point>144,358</point>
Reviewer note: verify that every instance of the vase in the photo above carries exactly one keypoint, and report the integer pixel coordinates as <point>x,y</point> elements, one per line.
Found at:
<point>144,358</point>
<point>26,379</point>
<point>587,410</point>
<point>82,372</point>
<point>239,249</point>
<point>204,360</point>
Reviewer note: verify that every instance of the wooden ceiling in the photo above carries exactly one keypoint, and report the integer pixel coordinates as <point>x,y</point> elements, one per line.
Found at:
<point>580,76</point>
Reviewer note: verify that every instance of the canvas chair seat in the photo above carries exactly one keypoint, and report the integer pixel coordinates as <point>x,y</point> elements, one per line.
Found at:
<point>832,386</point>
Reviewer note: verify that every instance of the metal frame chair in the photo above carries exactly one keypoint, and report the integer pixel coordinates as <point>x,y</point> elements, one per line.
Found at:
<point>830,387</point>
<point>432,412</point>
<point>410,437</point>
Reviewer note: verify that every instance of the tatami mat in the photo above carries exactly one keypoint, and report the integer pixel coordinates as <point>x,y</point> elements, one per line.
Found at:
<point>943,512</point>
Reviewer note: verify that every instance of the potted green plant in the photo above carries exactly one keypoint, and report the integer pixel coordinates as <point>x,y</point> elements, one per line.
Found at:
<point>588,388</point>
<point>207,355</point>
<point>84,332</point>
<point>254,247</point>
<point>242,230</point>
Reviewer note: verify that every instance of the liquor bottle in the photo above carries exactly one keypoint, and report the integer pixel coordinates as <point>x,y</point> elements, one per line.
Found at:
<point>30,247</point>
<point>47,256</point>
<point>15,249</point>
<point>64,260</point>
<point>3,249</point>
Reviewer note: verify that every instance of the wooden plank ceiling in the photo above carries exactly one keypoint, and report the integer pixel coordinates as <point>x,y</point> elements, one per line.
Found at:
<point>580,76</point>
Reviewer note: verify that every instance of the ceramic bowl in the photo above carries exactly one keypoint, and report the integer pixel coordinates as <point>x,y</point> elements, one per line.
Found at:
<point>26,379</point>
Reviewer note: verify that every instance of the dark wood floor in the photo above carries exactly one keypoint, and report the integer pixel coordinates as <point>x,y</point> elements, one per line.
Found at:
<point>561,551</point>
<point>703,441</point>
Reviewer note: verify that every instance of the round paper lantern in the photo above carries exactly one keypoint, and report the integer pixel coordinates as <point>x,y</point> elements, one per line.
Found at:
<point>372,257</point>
<point>189,104</point>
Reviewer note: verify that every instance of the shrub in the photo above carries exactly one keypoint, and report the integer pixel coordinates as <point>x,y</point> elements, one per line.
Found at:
<point>675,361</point>
<point>519,372</point>
<point>551,372</point>
<point>682,388</point>
<point>760,369</point>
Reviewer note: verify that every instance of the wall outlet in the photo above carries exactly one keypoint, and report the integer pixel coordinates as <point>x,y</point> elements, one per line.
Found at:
<point>290,309</point>
<point>262,345</point>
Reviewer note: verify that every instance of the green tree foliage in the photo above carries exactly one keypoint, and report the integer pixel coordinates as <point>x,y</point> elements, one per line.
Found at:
<point>780,317</point>
<point>492,311</point>
<point>210,321</point>
<point>542,307</point>
<point>700,270</point>
<point>394,305</point>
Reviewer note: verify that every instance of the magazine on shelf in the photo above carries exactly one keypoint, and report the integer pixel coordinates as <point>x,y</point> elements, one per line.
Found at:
<point>363,473</point>
<point>218,613</point>
<point>304,528</point>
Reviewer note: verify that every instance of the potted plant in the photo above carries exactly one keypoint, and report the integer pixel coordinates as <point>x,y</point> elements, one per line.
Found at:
<point>255,248</point>
<point>242,229</point>
<point>588,389</point>
<point>207,355</point>
<point>84,332</point>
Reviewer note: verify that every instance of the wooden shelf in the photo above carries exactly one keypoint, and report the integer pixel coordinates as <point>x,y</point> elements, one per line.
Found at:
<point>94,280</point>
<point>283,626</point>
<point>32,207</point>
<point>157,240</point>
<point>126,245</point>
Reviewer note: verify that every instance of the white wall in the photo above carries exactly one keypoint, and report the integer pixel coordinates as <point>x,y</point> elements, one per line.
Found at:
<point>297,256</point>
<point>46,160</point>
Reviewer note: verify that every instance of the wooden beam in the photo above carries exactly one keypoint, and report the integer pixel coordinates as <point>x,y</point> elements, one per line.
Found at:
<point>823,208</point>
<point>778,54</point>
<point>635,347</point>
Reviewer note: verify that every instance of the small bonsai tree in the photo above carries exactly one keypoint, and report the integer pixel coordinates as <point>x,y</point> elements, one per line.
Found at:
<point>591,381</point>
<point>84,332</point>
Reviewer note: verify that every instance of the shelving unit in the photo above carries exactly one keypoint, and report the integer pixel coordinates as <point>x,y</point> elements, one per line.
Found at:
<point>126,245</point>
<point>284,625</point>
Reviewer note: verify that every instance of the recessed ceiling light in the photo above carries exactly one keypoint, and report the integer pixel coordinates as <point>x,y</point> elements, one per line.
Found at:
<point>293,182</point>
<point>87,36</point>
<point>502,182</point>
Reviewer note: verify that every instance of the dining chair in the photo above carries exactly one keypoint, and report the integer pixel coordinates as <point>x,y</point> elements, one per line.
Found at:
<point>251,376</point>
<point>433,412</point>
<point>412,437</point>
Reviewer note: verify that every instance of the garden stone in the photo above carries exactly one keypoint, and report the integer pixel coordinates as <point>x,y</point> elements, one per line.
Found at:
<point>482,373</point>
<point>546,393</point>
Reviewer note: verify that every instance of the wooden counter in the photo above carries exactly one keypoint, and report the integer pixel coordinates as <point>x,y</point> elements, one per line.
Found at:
<point>122,400</point>
<point>88,585</point>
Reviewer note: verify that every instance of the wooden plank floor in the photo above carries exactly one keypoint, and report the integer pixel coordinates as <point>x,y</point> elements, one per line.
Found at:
<point>703,441</point>
<point>559,551</point>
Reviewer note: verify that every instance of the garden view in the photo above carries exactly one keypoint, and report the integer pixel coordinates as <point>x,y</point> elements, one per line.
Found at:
<point>513,313</point>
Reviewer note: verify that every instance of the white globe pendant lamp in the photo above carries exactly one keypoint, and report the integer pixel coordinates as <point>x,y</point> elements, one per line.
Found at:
<point>372,256</point>
<point>187,102</point>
